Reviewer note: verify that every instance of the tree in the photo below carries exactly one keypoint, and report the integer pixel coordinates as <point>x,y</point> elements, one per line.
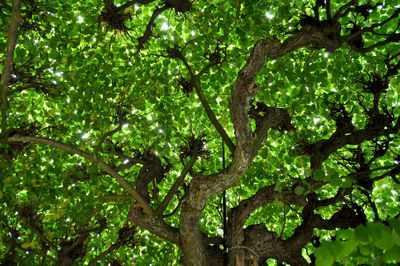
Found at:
<point>200,133</point>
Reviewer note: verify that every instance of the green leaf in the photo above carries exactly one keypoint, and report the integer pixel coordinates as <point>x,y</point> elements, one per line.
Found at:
<point>392,255</point>
<point>361,233</point>
<point>299,190</point>
<point>319,175</point>
<point>323,254</point>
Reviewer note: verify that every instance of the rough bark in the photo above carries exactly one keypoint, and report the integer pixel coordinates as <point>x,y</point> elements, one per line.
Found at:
<point>244,88</point>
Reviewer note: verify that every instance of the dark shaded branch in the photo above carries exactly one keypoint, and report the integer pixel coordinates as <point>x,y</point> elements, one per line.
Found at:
<point>211,115</point>
<point>267,244</point>
<point>39,234</point>
<point>149,28</point>
<point>372,27</point>
<point>113,247</point>
<point>239,215</point>
<point>345,218</point>
<point>392,38</point>
<point>343,10</point>
<point>32,251</point>
<point>358,33</point>
<point>321,150</point>
<point>103,138</point>
<point>338,197</point>
<point>195,82</point>
<point>328,10</point>
<point>125,184</point>
<point>163,205</point>
<point>9,55</point>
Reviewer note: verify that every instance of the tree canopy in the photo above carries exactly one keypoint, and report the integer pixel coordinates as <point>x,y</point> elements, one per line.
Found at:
<point>210,132</point>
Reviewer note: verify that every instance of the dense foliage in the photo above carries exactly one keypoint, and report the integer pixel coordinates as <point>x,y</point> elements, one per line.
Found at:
<point>210,132</point>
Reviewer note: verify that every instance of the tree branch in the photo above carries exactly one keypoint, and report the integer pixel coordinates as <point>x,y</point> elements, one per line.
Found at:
<point>163,205</point>
<point>202,187</point>
<point>39,234</point>
<point>125,184</point>
<point>5,76</point>
<point>239,215</point>
<point>116,197</point>
<point>149,28</point>
<point>211,115</point>
<point>195,82</point>
<point>33,251</point>
<point>113,247</point>
<point>154,224</point>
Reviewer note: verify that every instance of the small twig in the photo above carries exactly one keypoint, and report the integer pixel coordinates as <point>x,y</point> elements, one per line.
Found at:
<point>116,197</point>
<point>284,221</point>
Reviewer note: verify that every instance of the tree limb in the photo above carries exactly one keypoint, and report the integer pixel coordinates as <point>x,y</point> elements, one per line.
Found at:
<point>113,247</point>
<point>154,224</point>
<point>149,28</point>
<point>211,115</point>
<point>5,76</point>
<point>39,234</point>
<point>163,205</point>
<point>195,82</point>
<point>125,184</point>
<point>202,187</point>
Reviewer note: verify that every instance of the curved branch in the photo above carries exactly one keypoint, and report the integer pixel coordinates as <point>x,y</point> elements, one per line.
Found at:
<point>105,136</point>
<point>5,76</point>
<point>343,10</point>
<point>154,224</point>
<point>149,28</point>
<point>125,184</point>
<point>321,150</point>
<point>202,187</point>
<point>239,215</point>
